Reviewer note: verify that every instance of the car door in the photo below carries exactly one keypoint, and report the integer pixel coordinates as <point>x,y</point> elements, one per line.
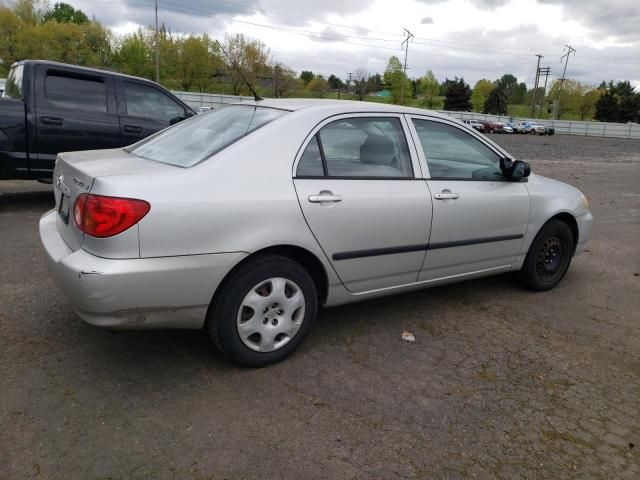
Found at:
<point>360,189</point>
<point>480,217</point>
<point>75,110</point>
<point>144,110</point>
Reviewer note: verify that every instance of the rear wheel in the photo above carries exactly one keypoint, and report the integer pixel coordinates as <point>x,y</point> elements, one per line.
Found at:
<point>549,257</point>
<point>263,311</point>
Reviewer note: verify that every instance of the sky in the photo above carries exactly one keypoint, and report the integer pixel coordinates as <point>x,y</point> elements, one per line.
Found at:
<point>473,39</point>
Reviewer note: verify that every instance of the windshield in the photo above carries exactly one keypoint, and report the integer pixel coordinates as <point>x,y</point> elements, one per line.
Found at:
<point>13,87</point>
<point>200,137</point>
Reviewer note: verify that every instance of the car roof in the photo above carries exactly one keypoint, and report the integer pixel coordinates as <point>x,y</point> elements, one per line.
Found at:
<point>80,68</point>
<point>295,104</point>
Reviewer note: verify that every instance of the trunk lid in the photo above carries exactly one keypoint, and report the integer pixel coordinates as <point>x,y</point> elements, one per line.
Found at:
<point>75,173</point>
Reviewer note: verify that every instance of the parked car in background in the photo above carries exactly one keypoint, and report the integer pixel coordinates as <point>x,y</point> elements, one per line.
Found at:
<point>490,126</point>
<point>203,109</point>
<point>245,219</point>
<point>50,107</point>
<point>515,127</point>
<point>475,125</point>
<point>2,82</point>
<point>506,128</point>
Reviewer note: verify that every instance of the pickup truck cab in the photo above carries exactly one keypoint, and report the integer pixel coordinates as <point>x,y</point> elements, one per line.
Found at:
<point>50,107</point>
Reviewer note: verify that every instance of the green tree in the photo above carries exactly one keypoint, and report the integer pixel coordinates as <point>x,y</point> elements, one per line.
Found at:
<point>334,82</point>
<point>394,79</point>
<point>508,84</point>
<point>134,54</point>
<point>496,102</point>
<point>481,91</point>
<point>588,104</point>
<point>306,76</point>
<point>361,81</point>
<point>65,13</point>
<point>250,58</point>
<point>629,108</point>
<point>607,107</point>
<point>429,87</point>
<point>458,95</point>
<point>317,86</point>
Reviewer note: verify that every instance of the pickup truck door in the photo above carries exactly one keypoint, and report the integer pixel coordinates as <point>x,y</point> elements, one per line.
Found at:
<point>74,110</point>
<point>145,109</point>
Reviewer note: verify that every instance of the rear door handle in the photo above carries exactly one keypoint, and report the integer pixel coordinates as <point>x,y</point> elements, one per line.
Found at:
<point>132,129</point>
<point>52,120</point>
<point>323,197</point>
<point>445,196</point>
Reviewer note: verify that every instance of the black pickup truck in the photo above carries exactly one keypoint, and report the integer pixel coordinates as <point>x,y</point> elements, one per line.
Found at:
<point>50,107</point>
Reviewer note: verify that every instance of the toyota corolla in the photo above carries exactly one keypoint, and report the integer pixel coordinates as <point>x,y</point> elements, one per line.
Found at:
<point>244,220</point>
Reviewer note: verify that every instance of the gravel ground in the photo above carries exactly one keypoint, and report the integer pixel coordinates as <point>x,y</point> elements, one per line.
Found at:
<point>500,383</point>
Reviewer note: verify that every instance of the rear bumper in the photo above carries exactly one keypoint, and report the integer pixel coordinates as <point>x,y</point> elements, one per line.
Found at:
<point>164,292</point>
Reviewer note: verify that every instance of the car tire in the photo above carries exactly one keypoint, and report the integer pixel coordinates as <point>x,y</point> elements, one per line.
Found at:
<point>257,317</point>
<point>548,258</point>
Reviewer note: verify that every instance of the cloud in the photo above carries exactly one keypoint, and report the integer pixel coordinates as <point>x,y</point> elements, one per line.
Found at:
<point>426,21</point>
<point>618,18</point>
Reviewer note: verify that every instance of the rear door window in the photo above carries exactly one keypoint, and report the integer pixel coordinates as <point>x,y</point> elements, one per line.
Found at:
<point>360,147</point>
<point>68,91</point>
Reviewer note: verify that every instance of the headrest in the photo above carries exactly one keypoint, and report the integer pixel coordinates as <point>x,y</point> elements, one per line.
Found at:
<point>377,150</point>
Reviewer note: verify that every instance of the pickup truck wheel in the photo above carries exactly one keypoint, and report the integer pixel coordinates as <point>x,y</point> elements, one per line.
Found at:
<point>263,311</point>
<point>548,258</point>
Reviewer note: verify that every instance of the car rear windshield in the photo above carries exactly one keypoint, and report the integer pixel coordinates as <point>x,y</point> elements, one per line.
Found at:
<point>200,137</point>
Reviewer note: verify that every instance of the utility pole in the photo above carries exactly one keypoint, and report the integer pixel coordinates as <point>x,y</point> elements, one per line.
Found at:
<point>349,82</point>
<point>409,36</point>
<point>157,48</point>
<point>570,50</point>
<point>535,87</point>
<point>543,71</point>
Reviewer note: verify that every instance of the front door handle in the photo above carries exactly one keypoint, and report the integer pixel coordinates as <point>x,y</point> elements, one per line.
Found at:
<point>52,120</point>
<point>325,196</point>
<point>132,129</point>
<point>445,196</point>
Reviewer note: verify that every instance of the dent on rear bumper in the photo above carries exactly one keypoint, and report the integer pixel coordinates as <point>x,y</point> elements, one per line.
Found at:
<point>165,292</point>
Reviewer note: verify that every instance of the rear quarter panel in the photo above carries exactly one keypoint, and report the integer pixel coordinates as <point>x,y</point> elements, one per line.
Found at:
<point>240,200</point>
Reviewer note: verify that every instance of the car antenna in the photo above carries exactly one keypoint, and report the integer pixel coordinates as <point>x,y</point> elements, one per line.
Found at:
<point>256,97</point>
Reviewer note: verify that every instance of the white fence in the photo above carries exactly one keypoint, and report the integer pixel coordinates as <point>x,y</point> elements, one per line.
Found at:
<point>569,127</point>
<point>209,100</point>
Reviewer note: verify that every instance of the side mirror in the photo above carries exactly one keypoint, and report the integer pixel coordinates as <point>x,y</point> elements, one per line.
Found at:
<point>520,170</point>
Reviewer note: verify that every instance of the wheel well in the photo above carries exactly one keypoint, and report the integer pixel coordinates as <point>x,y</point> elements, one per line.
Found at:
<point>573,225</point>
<point>298,254</point>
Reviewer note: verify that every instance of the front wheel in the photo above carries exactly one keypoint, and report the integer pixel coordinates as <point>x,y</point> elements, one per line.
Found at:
<point>549,257</point>
<point>263,311</point>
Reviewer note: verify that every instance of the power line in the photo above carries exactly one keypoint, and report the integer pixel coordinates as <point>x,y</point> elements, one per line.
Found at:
<point>535,86</point>
<point>570,50</point>
<point>406,41</point>
<point>445,44</point>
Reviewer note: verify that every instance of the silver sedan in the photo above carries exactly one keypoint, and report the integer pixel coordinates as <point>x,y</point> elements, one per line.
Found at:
<point>245,219</point>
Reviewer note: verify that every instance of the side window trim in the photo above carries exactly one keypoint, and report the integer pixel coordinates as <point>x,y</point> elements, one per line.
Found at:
<point>423,159</point>
<point>416,166</point>
<point>322,157</point>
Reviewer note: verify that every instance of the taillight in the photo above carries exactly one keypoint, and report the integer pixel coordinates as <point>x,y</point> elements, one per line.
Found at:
<point>101,216</point>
